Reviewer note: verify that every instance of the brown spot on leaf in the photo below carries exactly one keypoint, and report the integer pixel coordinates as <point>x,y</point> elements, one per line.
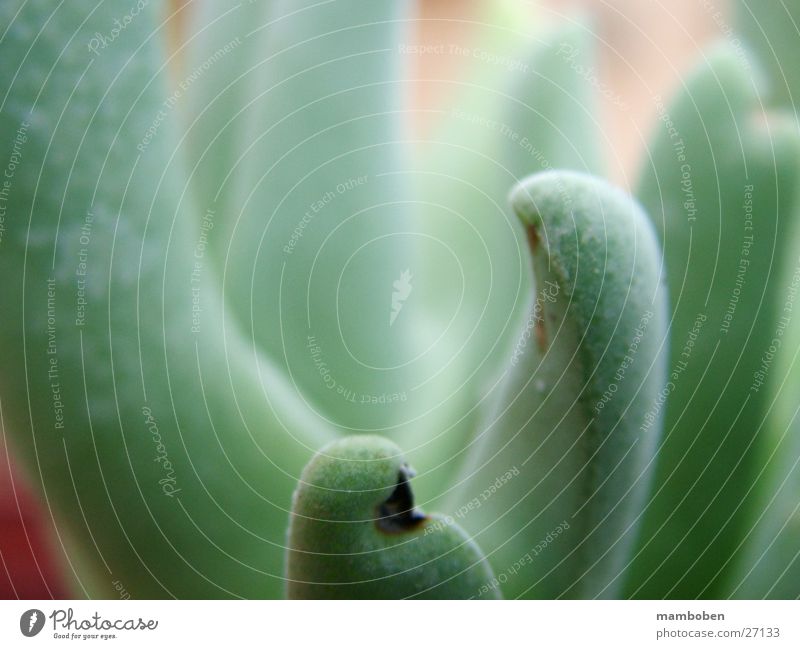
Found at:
<point>397,513</point>
<point>533,237</point>
<point>541,335</point>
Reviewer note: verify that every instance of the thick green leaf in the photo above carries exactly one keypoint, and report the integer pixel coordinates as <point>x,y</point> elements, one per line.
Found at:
<point>312,92</point>
<point>720,184</point>
<point>772,30</point>
<point>162,442</point>
<point>559,472</point>
<point>768,564</point>
<point>355,533</point>
<point>523,106</point>
<point>297,143</point>
<point>224,47</point>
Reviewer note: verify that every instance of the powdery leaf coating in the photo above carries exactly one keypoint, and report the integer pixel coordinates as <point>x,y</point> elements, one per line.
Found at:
<point>154,439</point>
<point>354,533</point>
<point>722,192</point>
<point>573,413</point>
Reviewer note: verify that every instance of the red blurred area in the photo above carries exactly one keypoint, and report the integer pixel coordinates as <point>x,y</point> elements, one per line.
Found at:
<point>30,567</point>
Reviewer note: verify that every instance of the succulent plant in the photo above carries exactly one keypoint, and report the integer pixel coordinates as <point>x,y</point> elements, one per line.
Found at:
<point>241,301</point>
<point>355,532</point>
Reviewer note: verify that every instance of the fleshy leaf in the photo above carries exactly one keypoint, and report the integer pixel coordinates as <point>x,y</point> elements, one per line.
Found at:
<point>772,30</point>
<point>768,563</point>
<point>720,184</point>
<point>559,472</point>
<point>355,533</point>
<point>162,443</point>
<point>523,106</point>
<point>298,142</point>
<point>223,50</point>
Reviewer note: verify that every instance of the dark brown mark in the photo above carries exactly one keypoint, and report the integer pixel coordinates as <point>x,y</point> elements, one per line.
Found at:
<point>541,335</point>
<point>533,238</point>
<point>538,330</point>
<point>397,514</point>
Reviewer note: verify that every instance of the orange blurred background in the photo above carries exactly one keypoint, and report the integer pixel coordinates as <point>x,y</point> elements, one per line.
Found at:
<point>644,48</point>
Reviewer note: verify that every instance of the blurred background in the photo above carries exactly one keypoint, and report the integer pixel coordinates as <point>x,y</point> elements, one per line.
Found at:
<point>644,48</point>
